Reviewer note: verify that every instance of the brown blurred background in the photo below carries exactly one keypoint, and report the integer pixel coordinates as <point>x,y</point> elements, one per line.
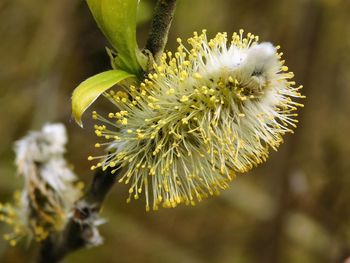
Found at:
<point>294,208</point>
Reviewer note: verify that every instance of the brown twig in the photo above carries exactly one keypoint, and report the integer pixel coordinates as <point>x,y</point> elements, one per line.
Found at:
<point>161,23</point>
<point>81,230</point>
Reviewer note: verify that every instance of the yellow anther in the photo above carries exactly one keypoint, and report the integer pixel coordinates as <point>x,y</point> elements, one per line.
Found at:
<point>184,98</point>
<point>184,121</point>
<point>124,121</point>
<point>170,91</point>
<point>197,75</point>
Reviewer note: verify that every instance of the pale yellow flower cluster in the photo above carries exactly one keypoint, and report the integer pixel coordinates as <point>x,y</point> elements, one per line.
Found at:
<point>203,115</point>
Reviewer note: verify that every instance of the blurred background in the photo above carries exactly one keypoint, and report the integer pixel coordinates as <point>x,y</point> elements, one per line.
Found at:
<point>293,208</point>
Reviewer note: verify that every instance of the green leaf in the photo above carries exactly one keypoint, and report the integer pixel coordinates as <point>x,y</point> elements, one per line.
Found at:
<point>117,20</point>
<point>89,90</point>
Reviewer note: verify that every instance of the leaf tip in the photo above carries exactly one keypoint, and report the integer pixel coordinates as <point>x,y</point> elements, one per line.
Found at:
<point>77,119</point>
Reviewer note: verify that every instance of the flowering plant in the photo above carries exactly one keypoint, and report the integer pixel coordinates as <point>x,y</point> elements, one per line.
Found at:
<point>184,124</point>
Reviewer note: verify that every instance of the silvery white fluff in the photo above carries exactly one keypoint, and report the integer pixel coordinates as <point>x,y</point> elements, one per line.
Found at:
<point>40,146</point>
<point>39,158</point>
<point>50,187</point>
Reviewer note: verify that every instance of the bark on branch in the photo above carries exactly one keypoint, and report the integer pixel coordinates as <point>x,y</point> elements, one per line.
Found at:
<point>81,230</point>
<point>161,23</point>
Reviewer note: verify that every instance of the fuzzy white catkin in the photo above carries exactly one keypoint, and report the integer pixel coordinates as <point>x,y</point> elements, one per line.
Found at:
<point>50,186</point>
<point>205,114</point>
